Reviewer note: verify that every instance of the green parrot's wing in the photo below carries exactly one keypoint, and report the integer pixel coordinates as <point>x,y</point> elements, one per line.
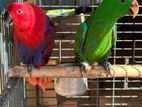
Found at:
<point>114,38</point>
<point>80,39</point>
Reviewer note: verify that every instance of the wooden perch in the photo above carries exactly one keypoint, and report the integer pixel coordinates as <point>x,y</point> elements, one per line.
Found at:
<point>74,72</point>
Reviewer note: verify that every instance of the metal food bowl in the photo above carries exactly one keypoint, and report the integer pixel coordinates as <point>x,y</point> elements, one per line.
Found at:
<point>69,86</point>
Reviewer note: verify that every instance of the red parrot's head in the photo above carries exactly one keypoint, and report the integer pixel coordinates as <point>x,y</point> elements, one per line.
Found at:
<point>29,23</point>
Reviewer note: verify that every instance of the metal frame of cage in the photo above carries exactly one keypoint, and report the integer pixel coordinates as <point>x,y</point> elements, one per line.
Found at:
<point>11,89</point>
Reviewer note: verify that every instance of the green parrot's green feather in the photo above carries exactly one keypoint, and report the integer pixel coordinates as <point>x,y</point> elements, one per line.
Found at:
<point>99,37</point>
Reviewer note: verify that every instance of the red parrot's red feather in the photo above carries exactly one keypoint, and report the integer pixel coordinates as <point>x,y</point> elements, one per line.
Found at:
<point>33,37</point>
<point>28,31</point>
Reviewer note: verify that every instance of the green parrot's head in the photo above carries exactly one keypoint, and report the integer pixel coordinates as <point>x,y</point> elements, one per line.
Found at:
<point>119,8</point>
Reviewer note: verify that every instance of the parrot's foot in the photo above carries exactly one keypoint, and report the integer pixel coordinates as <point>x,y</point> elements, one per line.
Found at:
<point>108,67</point>
<point>30,67</point>
<point>85,67</point>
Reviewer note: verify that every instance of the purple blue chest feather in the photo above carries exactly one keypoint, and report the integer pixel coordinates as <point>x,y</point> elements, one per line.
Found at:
<point>29,55</point>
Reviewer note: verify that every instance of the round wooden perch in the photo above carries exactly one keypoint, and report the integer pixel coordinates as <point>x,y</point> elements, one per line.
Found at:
<point>74,72</point>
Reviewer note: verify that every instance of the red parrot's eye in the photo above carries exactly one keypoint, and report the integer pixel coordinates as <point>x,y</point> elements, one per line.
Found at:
<point>19,11</point>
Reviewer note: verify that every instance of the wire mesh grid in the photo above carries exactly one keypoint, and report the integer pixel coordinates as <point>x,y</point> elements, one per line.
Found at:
<point>11,89</point>
<point>102,92</point>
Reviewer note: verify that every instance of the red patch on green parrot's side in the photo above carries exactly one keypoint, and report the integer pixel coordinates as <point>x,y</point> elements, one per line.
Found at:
<point>112,34</point>
<point>30,29</point>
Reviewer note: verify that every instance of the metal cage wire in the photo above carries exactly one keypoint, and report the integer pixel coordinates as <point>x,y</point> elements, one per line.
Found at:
<point>11,89</point>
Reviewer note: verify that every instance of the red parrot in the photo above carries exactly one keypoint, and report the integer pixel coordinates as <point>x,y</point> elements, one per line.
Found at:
<point>32,34</point>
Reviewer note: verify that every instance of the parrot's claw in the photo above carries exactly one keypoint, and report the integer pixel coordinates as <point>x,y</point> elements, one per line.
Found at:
<point>108,67</point>
<point>84,67</point>
<point>30,67</point>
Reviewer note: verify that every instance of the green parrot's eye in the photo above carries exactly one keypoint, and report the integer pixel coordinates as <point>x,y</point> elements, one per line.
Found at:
<point>19,11</point>
<point>122,1</point>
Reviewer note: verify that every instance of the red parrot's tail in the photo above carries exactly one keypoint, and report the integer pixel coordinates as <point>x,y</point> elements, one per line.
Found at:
<point>43,83</point>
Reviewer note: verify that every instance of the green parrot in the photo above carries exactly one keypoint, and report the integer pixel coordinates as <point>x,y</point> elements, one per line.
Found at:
<point>97,34</point>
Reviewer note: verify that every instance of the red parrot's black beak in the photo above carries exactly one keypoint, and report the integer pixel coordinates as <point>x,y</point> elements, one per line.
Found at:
<point>135,8</point>
<point>8,19</point>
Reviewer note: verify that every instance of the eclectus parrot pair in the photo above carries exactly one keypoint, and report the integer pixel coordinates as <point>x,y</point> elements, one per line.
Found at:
<point>97,34</point>
<point>32,34</point>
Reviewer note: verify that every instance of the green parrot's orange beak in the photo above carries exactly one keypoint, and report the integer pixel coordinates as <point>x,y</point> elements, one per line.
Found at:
<point>135,8</point>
